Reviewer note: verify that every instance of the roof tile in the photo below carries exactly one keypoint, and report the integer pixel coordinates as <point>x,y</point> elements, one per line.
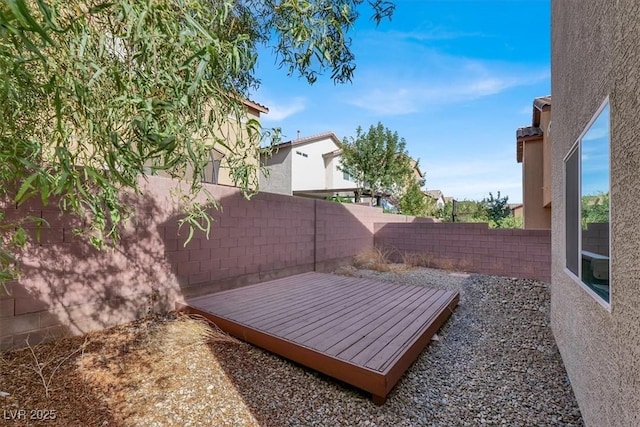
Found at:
<point>528,131</point>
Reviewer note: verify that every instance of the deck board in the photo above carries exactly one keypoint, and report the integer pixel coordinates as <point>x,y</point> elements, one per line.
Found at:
<point>361,331</point>
<point>304,308</point>
<point>370,325</point>
<point>332,323</point>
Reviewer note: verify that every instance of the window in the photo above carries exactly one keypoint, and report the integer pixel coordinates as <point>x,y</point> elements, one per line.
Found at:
<point>211,171</point>
<point>345,175</point>
<point>587,207</point>
<point>300,153</point>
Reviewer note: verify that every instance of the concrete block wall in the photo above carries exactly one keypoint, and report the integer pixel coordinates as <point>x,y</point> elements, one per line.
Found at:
<point>343,230</point>
<point>251,240</point>
<point>596,238</point>
<point>69,287</point>
<point>470,247</point>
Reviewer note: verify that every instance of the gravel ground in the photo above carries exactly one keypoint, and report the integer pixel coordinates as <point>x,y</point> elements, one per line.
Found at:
<point>495,363</point>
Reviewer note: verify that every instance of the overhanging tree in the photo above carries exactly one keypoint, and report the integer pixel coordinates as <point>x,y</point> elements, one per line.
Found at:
<point>92,92</point>
<point>378,160</point>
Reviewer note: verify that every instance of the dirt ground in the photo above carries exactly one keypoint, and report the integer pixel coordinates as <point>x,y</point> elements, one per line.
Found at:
<point>142,373</point>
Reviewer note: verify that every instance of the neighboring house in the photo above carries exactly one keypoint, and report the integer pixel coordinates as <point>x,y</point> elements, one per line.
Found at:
<point>311,167</point>
<point>516,209</point>
<point>534,152</point>
<point>308,167</point>
<point>417,173</point>
<point>437,198</point>
<point>595,280</point>
<point>218,169</point>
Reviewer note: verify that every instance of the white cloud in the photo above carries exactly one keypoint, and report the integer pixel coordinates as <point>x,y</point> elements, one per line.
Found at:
<point>281,109</point>
<point>387,102</point>
<point>416,75</point>
<point>431,34</point>
<point>470,80</point>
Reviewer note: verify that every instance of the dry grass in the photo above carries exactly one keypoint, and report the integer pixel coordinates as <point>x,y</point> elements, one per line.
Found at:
<point>379,259</point>
<point>419,259</point>
<point>373,259</point>
<point>414,259</point>
<point>135,374</point>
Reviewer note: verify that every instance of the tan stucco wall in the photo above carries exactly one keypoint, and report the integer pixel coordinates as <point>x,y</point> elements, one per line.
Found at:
<point>545,120</point>
<point>596,53</point>
<point>518,212</point>
<point>231,132</point>
<point>536,216</point>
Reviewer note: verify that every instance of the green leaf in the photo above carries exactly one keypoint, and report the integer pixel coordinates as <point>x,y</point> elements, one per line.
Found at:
<point>26,190</point>
<point>80,121</point>
<point>25,17</point>
<point>20,237</point>
<point>94,10</point>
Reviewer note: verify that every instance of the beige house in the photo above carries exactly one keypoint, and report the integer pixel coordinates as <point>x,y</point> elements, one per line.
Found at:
<point>218,169</point>
<point>534,152</point>
<point>236,137</point>
<point>595,289</point>
<point>516,210</point>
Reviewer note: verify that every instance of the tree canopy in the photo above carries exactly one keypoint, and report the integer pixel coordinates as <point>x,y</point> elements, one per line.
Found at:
<point>493,210</point>
<point>496,209</point>
<point>595,209</point>
<point>378,160</point>
<point>94,92</point>
<point>413,201</point>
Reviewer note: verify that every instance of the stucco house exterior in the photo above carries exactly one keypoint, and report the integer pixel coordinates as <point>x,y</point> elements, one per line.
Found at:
<point>308,167</point>
<point>533,150</point>
<point>218,170</point>
<point>595,282</point>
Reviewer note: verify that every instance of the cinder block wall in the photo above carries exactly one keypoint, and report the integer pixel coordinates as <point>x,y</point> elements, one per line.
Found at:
<point>596,238</point>
<point>344,230</point>
<point>470,247</point>
<point>68,287</point>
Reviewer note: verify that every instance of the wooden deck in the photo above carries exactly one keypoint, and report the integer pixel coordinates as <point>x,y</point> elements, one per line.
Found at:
<point>363,332</point>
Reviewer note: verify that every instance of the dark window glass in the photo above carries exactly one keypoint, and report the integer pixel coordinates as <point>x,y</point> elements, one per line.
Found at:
<point>572,210</point>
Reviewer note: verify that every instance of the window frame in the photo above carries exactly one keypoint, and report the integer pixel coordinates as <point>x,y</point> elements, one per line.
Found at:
<point>576,147</point>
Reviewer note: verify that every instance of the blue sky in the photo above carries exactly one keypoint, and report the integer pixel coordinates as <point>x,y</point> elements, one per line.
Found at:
<point>455,78</point>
